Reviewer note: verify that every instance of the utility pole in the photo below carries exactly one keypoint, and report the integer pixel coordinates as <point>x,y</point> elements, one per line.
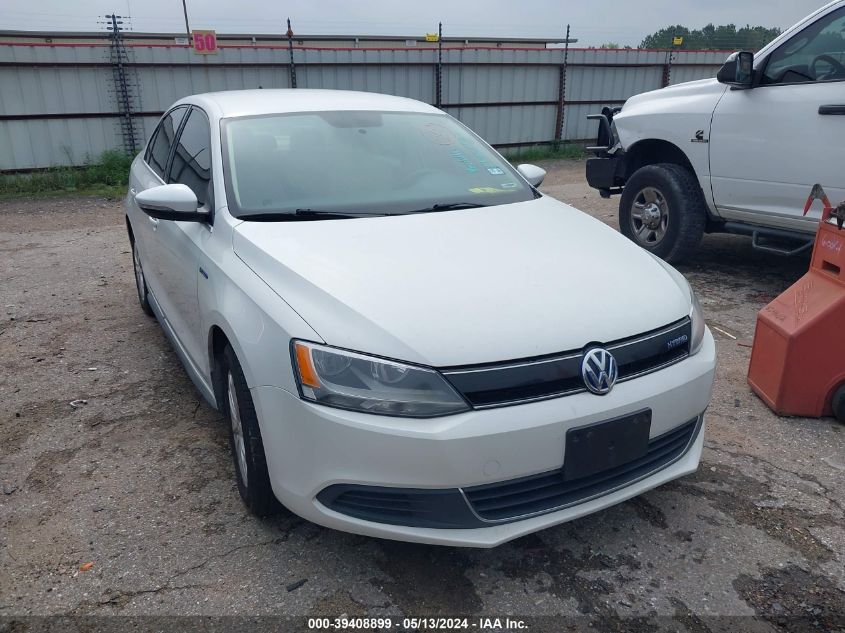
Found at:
<point>187,28</point>
<point>290,49</point>
<point>124,84</point>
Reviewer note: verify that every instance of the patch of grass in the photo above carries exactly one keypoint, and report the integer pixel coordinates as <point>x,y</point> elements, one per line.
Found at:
<point>107,176</point>
<point>546,152</point>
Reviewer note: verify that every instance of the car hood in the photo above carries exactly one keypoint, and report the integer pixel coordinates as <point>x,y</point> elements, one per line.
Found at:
<point>464,287</point>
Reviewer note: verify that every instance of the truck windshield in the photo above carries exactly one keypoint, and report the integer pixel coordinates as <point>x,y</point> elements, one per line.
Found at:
<point>366,162</point>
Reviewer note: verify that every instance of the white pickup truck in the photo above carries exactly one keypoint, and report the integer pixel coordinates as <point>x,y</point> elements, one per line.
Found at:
<point>737,154</point>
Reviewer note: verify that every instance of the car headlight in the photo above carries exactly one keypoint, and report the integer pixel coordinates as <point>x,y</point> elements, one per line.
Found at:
<point>697,319</point>
<point>347,380</point>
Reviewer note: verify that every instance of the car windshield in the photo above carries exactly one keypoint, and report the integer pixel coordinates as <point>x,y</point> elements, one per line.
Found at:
<point>360,162</point>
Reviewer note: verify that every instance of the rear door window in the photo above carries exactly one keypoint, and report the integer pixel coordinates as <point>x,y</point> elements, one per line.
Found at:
<point>162,142</point>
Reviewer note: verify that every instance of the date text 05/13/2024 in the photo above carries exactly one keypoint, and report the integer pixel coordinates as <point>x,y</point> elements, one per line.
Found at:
<point>417,624</point>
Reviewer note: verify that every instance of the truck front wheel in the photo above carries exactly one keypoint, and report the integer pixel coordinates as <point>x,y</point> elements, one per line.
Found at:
<point>662,209</point>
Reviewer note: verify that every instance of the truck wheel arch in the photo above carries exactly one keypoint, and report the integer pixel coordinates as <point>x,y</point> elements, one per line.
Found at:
<point>652,152</point>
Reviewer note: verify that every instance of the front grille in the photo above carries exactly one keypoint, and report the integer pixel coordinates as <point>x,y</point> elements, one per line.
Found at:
<point>531,379</point>
<point>548,491</point>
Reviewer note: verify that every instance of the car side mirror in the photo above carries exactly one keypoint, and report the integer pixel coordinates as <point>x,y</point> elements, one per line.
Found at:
<point>738,70</point>
<point>171,202</point>
<point>532,174</point>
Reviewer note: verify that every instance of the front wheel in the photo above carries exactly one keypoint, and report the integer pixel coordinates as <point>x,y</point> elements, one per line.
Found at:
<point>245,440</point>
<point>140,281</point>
<point>662,210</point>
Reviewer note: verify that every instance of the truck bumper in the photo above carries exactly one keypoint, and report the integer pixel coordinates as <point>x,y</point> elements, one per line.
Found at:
<point>607,174</point>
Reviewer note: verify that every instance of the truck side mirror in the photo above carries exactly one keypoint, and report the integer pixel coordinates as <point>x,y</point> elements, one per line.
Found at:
<point>738,70</point>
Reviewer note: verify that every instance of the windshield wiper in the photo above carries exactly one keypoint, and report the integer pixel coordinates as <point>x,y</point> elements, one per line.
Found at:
<point>303,214</point>
<point>450,206</point>
<point>322,213</point>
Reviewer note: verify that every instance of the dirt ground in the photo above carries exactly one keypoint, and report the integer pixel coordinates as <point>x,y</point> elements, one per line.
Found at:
<point>139,482</point>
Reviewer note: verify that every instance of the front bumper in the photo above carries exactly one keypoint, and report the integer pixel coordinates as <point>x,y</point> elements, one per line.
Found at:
<point>310,448</point>
<point>607,173</point>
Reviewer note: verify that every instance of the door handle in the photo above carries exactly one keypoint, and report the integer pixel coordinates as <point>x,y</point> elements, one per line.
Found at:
<point>133,191</point>
<point>836,108</point>
<point>153,221</point>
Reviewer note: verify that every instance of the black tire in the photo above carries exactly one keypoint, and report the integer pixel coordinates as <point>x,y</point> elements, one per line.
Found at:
<point>839,404</point>
<point>250,465</point>
<point>673,191</point>
<point>140,282</point>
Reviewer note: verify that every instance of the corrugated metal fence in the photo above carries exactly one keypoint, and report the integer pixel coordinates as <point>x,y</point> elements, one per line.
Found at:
<point>57,103</point>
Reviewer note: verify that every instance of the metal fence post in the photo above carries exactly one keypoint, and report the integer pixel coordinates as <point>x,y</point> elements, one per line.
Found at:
<point>290,49</point>
<point>561,92</point>
<point>439,76</point>
<point>667,69</point>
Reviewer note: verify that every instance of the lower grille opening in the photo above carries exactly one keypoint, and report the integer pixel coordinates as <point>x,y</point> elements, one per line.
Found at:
<point>401,506</point>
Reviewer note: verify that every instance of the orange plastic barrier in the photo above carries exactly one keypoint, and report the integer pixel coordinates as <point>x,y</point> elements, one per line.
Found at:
<point>798,358</point>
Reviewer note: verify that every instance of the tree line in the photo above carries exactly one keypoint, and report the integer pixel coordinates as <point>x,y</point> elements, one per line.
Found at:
<point>726,37</point>
<point>710,37</point>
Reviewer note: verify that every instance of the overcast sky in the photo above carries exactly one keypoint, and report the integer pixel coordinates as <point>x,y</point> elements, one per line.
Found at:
<point>593,22</point>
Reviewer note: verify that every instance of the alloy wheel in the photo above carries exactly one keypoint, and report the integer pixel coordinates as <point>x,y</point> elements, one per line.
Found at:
<point>649,216</point>
<point>140,283</point>
<point>237,430</point>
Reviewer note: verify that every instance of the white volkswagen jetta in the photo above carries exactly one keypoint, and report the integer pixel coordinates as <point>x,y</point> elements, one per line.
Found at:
<point>409,340</point>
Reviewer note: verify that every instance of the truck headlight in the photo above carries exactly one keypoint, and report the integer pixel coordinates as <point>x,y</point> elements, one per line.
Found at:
<point>697,319</point>
<point>348,380</point>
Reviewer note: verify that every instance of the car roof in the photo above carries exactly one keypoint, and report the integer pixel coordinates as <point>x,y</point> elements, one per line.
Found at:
<point>235,103</point>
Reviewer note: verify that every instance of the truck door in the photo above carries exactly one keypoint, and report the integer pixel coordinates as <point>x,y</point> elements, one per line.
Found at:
<point>771,143</point>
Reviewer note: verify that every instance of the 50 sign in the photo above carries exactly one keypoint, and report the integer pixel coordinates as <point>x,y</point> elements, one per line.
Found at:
<point>205,42</point>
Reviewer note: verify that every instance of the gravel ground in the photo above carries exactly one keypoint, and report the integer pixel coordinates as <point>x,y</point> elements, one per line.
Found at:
<point>126,505</point>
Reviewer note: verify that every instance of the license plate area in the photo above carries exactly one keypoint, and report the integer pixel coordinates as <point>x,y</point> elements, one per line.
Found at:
<point>605,445</point>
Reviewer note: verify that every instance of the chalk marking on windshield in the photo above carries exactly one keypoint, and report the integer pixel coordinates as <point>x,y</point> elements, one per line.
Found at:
<point>487,190</point>
<point>438,134</point>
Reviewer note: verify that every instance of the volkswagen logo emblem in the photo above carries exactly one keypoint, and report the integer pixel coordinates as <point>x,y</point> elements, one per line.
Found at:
<point>599,370</point>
